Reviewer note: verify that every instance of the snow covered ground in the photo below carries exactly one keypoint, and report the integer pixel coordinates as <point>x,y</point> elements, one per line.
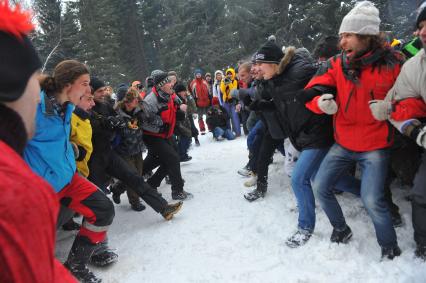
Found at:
<point>220,237</point>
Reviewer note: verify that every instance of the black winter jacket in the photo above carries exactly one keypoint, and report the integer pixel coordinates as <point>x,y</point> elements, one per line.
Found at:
<point>304,128</point>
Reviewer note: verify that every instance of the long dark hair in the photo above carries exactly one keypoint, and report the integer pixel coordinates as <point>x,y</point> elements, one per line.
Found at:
<point>66,72</point>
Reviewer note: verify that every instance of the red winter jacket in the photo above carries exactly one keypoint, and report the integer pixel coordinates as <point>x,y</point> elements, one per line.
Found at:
<point>354,126</point>
<point>200,90</point>
<point>29,209</point>
<point>168,116</point>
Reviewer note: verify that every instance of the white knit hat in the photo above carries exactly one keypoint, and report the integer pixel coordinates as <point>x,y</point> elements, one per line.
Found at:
<point>362,19</point>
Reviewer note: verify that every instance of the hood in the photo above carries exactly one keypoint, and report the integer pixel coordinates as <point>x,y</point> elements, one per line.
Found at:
<point>291,53</point>
<point>232,71</point>
<point>218,72</point>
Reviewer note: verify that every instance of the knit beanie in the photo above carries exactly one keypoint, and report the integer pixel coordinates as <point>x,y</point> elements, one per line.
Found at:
<point>96,83</point>
<point>18,58</point>
<point>269,53</point>
<point>198,71</point>
<point>160,78</point>
<point>421,16</point>
<point>179,87</point>
<point>362,19</point>
<point>121,91</point>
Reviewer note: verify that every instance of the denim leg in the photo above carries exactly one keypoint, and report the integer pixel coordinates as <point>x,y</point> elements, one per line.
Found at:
<point>218,132</point>
<point>183,145</point>
<point>306,166</point>
<point>236,125</point>
<point>335,164</point>
<point>374,166</point>
<point>253,137</point>
<point>229,135</point>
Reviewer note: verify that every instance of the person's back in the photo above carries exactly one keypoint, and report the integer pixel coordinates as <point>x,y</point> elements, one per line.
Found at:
<point>28,206</point>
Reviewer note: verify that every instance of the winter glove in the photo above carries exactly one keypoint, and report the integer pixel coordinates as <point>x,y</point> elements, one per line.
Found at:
<point>421,136</point>
<point>265,105</point>
<point>234,93</point>
<point>414,129</point>
<point>327,104</point>
<point>183,107</point>
<point>380,109</point>
<point>114,122</point>
<point>164,128</point>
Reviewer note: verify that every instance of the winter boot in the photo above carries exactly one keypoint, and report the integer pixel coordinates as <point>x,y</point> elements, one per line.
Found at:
<point>259,192</point>
<point>197,142</point>
<point>298,239</point>
<point>137,206</point>
<point>245,172</point>
<point>78,258</point>
<point>182,195</point>
<point>341,236</point>
<point>390,253</point>
<point>171,209</point>
<point>421,252</point>
<point>117,189</point>
<point>71,225</point>
<point>252,181</point>
<point>396,220</point>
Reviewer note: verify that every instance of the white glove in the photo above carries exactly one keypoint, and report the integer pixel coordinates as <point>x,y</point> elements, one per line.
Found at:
<point>327,104</point>
<point>183,107</point>
<point>402,125</point>
<point>380,109</point>
<point>421,137</point>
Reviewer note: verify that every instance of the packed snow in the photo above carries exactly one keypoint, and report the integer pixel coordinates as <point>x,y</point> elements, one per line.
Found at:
<point>220,237</point>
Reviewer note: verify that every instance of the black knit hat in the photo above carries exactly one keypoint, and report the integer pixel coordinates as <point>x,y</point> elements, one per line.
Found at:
<point>179,87</point>
<point>421,16</point>
<point>269,53</point>
<point>121,91</point>
<point>96,83</point>
<point>160,78</point>
<point>19,61</point>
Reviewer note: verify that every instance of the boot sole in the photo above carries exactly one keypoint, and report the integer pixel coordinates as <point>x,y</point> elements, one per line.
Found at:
<point>171,214</point>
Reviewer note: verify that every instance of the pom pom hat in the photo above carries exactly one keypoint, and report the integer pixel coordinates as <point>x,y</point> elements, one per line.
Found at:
<point>362,19</point>
<point>18,58</point>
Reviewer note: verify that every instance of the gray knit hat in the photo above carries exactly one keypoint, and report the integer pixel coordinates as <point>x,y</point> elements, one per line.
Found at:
<point>362,19</point>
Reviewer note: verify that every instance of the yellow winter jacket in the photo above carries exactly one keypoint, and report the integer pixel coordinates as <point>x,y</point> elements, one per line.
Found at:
<point>226,88</point>
<point>81,135</point>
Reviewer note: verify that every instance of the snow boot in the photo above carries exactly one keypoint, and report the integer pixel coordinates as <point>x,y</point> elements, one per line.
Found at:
<point>259,192</point>
<point>78,258</point>
<point>171,210</point>
<point>390,253</point>
<point>245,172</point>
<point>396,220</point>
<point>298,239</point>
<point>185,158</point>
<point>182,195</point>
<point>252,181</point>
<point>137,206</point>
<point>420,252</point>
<point>197,142</point>
<point>342,236</point>
<point>71,225</point>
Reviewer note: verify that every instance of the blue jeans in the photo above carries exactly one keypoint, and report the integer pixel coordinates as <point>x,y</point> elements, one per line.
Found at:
<point>183,145</point>
<point>306,167</point>
<point>254,137</point>
<point>226,133</point>
<point>374,165</point>
<point>235,120</point>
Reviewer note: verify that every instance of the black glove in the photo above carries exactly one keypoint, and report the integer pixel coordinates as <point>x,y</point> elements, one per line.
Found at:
<point>164,128</point>
<point>247,100</point>
<point>114,122</point>
<point>265,105</point>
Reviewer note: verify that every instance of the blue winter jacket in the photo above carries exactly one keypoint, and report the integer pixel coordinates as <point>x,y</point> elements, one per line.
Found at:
<point>49,153</point>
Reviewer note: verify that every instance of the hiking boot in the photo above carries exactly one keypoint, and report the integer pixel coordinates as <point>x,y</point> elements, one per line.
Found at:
<point>298,239</point>
<point>342,236</point>
<point>137,206</point>
<point>104,258</point>
<point>245,172</point>
<point>185,158</point>
<point>396,220</point>
<point>420,252</point>
<point>197,142</point>
<point>390,253</point>
<point>116,197</point>
<point>78,258</point>
<point>254,195</point>
<point>252,181</point>
<point>171,209</point>
<point>71,225</point>
<point>181,195</point>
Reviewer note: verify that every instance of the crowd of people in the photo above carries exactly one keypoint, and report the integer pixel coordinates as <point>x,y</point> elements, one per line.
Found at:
<point>348,117</point>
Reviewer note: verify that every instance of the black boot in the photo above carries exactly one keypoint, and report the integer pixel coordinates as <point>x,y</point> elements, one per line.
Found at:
<point>78,258</point>
<point>421,252</point>
<point>341,236</point>
<point>103,255</point>
<point>419,225</point>
<point>259,192</point>
<point>390,253</point>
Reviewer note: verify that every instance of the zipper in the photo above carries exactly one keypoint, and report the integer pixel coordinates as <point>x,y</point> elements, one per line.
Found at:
<point>349,99</point>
